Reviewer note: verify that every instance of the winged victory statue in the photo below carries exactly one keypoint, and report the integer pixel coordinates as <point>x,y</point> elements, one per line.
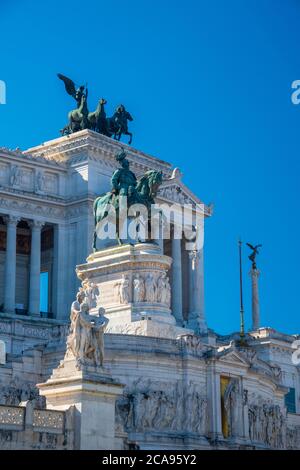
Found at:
<point>80,118</point>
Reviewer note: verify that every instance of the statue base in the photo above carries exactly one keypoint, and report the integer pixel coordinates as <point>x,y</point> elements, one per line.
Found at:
<point>92,392</point>
<point>134,289</point>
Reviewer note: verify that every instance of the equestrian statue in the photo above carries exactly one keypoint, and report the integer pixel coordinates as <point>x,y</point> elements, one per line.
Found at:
<point>125,183</point>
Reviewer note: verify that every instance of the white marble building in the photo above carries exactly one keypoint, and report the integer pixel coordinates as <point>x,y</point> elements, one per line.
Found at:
<point>183,386</point>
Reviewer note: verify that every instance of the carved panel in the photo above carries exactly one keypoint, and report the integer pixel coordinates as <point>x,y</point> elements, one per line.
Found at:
<point>26,178</point>
<point>11,415</point>
<point>5,327</point>
<point>50,183</point>
<point>4,172</point>
<point>151,405</point>
<point>48,419</point>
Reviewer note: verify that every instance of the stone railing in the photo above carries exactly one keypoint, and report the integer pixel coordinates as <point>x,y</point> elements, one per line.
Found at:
<point>23,427</point>
<point>48,420</point>
<point>12,417</point>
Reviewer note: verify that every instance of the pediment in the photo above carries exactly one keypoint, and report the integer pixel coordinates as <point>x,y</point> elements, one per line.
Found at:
<point>233,357</point>
<point>176,192</point>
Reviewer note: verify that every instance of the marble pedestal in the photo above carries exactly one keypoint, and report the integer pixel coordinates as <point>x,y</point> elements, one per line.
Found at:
<point>93,393</point>
<point>147,313</point>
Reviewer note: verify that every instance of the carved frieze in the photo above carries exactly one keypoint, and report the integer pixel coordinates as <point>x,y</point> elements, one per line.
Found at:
<point>267,422</point>
<point>151,405</point>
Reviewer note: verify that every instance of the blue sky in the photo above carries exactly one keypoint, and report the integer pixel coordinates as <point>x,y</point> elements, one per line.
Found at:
<point>208,84</point>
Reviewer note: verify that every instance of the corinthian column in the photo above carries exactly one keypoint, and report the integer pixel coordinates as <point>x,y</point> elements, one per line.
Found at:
<point>196,317</point>
<point>177,280</point>
<point>159,233</point>
<point>35,267</point>
<point>10,264</point>
<point>254,273</point>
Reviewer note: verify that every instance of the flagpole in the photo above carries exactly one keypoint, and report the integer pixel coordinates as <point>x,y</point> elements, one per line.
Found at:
<point>242,318</point>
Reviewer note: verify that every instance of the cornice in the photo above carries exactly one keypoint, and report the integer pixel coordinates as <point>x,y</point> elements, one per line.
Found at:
<point>68,148</point>
<point>26,158</point>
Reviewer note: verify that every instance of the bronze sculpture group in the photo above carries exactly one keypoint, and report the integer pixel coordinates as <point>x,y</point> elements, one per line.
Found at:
<point>124,185</point>
<point>80,118</point>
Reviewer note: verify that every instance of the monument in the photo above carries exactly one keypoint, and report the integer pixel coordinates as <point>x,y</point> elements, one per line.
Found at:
<point>81,381</point>
<point>121,356</point>
<point>254,273</point>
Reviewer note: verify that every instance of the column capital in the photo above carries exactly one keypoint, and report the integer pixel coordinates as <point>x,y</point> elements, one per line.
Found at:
<point>36,224</point>
<point>11,219</point>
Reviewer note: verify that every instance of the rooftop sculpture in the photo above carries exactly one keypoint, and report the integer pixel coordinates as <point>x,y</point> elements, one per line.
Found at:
<point>255,252</point>
<point>80,118</point>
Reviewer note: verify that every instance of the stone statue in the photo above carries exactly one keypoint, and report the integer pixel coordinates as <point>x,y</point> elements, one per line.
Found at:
<point>124,183</point>
<point>92,294</point>
<point>15,176</point>
<point>85,341</point>
<point>73,339</point>
<point>124,290</point>
<point>231,406</point>
<point>161,289</point>
<point>138,289</point>
<point>150,288</point>
<point>168,292</point>
<point>254,253</point>
<point>39,182</point>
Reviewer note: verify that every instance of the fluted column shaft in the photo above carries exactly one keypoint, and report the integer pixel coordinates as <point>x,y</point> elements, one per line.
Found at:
<point>35,268</point>
<point>196,318</point>
<point>254,273</point>
<point>159,233</point>
<point>177,280</point>
<point>10,264</point>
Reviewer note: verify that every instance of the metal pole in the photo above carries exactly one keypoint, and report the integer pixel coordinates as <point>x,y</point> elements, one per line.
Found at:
<point>242,319</point>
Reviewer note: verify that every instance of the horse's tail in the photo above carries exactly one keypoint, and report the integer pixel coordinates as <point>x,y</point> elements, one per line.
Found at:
<point>95,209</point>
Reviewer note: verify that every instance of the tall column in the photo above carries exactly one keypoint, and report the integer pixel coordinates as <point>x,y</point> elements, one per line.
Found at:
<point>196,318</point>
<point>73,280</point>
<point>177,280</point>
<point>35,267</point>
<point>159,234</point>
<point>60,262</point>
<point>254,273</point>
<point>10,264</point>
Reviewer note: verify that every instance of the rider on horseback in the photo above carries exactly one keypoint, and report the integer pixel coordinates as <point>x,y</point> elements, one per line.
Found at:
<point>123,180</point>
